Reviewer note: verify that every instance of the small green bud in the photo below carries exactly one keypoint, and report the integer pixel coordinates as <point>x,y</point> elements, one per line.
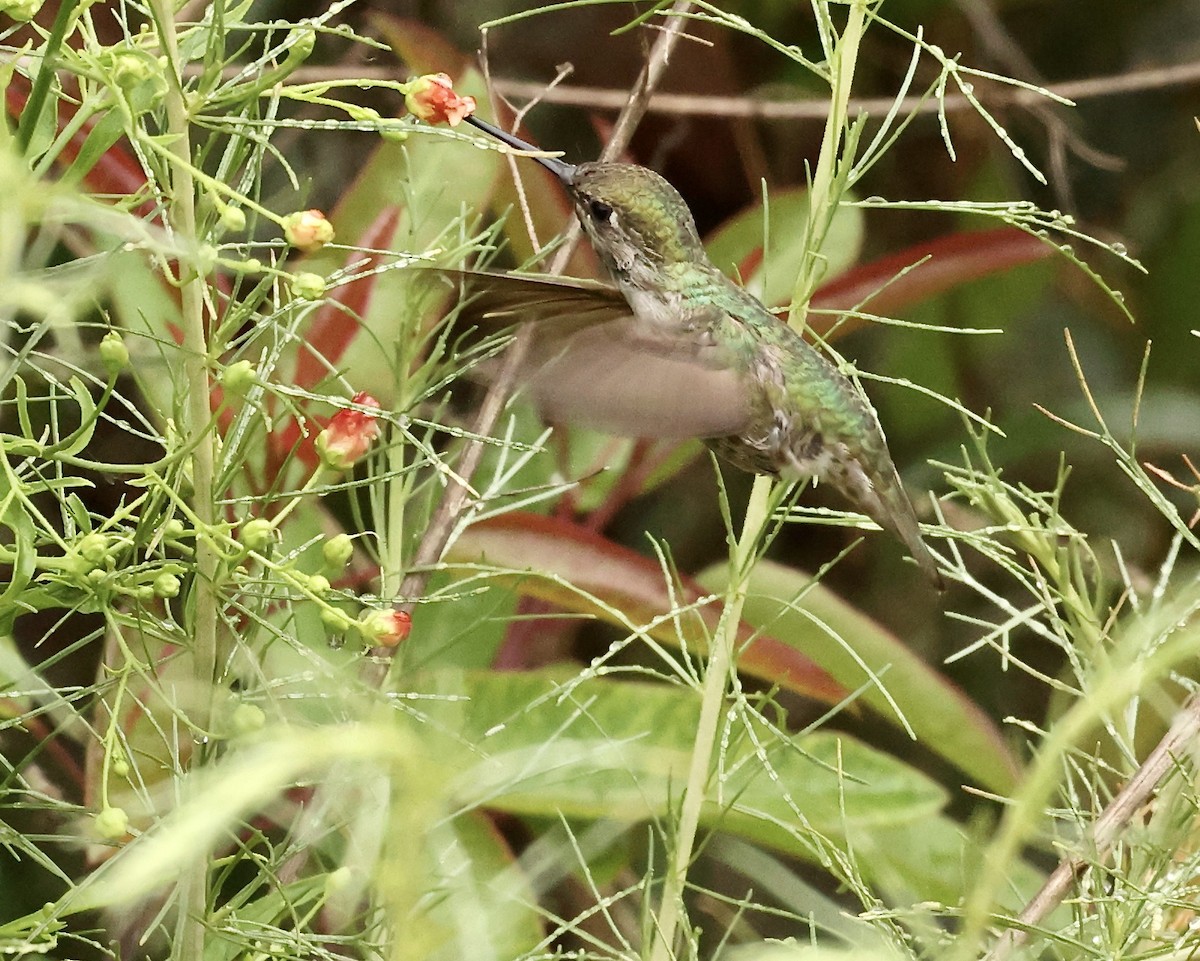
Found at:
<point>131,67</point>
<point>338,880</point>
<point>93,547</point>
<point>239,377</point>
<point>144,593</point>
<point>308,286</point>
<point>336,621</point>
<point>396,132</point>
<point>318,584</point>
<point>173,529</point>
<point>257,533</point>
<point>21,10</point>
<point>96,575</point>
<point>306,40</point>
<point>362,114</point>
<point>233,218</point>
<point>246,719</point>
<point>111,823</point>
<point>120,766</point>
<point>251,265</point>
<point>140,76</point>
<point>166,585</point>
<point>114,353</point>
<point>337,552</point>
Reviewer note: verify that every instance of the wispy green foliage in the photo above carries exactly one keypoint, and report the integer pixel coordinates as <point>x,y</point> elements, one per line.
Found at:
<point>223,435</point>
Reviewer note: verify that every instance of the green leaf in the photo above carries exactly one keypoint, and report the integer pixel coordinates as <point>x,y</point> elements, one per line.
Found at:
<point>106,131</point>
<point>543,745</point>
<point>856,650</point>
<point>459,859</point>
<point>603,748</point>
<point>275,906</point>
<point>460,628</point>
<point>74,443</point>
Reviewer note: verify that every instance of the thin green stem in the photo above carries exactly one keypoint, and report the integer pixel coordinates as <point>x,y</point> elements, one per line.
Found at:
<point>823,198</point>
<point>1042,779</point>
<point>190,931</point>
<point>299,496</point>
<point>721,665</point>
<point>182,166</point>
<point>723,656</point>
<point>391,550</point>
<point>36,101</point>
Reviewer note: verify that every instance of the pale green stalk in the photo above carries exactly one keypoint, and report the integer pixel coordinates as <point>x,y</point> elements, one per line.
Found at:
<point>391,547</point>
<point>190,929</point>
<point>822,202</point>
<point>723,656</point>
<point>721,665</point>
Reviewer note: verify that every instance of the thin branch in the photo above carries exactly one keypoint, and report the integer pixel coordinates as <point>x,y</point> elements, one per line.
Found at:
<point>1178,741</point>
<point>705,105</point>
<point>1052,115</point>
<point>1134,81</point>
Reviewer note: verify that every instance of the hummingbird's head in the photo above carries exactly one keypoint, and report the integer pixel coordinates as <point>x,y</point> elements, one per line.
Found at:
<point>633,217</point>
<point>637,221</point>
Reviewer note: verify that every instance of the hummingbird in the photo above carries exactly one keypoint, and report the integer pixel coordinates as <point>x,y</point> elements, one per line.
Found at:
<point>675,349</point>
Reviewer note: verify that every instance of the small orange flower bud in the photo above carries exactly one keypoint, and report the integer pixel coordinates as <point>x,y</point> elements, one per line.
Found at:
<point>349,435</point>
<point>432,98</point>
<point>307,230</point>
<point>387,628</point>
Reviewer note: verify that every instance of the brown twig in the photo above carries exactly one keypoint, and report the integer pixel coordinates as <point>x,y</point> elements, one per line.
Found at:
<point>999,43</point>
<point>454,501</point>
<point>1133,81</point>
<point>1104,833</point>
<point>706,105</point>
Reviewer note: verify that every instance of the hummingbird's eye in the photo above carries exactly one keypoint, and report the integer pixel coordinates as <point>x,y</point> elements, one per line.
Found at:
<point>600,211</point>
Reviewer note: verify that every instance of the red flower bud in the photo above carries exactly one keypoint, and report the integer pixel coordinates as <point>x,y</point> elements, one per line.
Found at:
<point>307,230</point>
<point>432,98</point>
<point>349,435</point>
<point>387,628</point>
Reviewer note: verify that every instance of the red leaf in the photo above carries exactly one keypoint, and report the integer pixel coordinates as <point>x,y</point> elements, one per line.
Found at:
<point>608,581</point>
<point>953,260</point>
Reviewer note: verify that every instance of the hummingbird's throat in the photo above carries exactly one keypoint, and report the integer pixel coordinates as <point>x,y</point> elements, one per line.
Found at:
<point>656,309</point>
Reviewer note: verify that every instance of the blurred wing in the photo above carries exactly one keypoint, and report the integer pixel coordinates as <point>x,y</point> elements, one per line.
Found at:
<point>494,301</point>
<point>609,377</point>
<point>591,364</point>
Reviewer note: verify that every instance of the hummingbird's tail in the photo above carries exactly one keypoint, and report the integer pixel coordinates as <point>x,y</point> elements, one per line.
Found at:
<point>885,502</point>
<point>902,521</point>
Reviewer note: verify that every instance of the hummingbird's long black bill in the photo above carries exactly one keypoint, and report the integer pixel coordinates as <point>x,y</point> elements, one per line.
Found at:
<point>563,171</point>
